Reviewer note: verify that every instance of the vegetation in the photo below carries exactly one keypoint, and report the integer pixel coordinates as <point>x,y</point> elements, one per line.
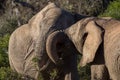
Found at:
<point>3,51</point>
<point>10,25</point>
<point>113,10</point>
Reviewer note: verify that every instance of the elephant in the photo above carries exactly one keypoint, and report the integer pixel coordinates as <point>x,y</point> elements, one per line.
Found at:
<point>29,49</point>
<point>98,41</point>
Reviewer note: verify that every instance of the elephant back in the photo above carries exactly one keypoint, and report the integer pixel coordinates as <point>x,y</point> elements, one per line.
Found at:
<point>106,23</point>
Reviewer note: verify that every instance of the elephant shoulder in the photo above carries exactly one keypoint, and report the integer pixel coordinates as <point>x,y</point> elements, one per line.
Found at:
<point>24,29</point>
<point>20,34</point>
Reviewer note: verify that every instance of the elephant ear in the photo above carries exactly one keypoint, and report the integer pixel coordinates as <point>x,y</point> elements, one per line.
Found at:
<point>92,42</point>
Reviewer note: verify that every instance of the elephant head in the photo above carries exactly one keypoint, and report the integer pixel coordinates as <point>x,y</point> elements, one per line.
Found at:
<point>86,35</point>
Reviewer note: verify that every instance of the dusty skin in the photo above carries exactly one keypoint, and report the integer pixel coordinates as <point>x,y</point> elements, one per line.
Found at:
<point>50,30</point>
<point>98,40</point>
<point>28,44</point>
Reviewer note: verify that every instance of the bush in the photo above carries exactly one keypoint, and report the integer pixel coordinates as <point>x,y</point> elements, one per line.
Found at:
<point>3,50</point>
<point>7,74</point>
<point>5,71</point>
<point>113,10</point>
<point>84,72</point>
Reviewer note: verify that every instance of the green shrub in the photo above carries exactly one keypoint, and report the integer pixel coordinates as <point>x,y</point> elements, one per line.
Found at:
<point>3,50</point>
<point>7,74</point>
<point>113,10</point>
<point>84,72</point>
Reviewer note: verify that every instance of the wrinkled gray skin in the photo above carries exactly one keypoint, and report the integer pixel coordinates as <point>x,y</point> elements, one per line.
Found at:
<point>100,46</point>
<point>98,68</point>
<point>99,42</point>
<point>29,51</point>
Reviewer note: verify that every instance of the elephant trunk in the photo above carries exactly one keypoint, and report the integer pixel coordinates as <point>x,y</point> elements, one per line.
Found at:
<point>52,43</point>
